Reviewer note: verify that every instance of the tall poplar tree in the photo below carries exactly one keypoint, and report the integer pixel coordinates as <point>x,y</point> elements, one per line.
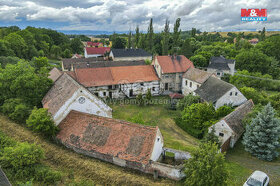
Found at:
<point>150,36</point>
<point>261,138</point>
<point>176,35</point>
<point>137,37</point>
<point>129,43</point>
<point>165,40</point>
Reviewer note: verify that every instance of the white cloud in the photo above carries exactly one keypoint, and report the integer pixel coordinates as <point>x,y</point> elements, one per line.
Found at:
<point>121,15</point>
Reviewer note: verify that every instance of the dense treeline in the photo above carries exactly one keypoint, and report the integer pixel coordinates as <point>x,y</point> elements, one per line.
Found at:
<point>37,42</point>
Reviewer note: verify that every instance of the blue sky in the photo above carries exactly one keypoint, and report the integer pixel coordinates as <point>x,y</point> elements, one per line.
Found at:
<point>121,15</point>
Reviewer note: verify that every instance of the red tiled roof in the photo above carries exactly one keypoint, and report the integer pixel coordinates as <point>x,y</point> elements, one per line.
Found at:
<point>90,77</point>
<point>176,96</point>
<point>101,50</point>
<point>174,64</point>
<point>93,44</point>
<point>116,138</point>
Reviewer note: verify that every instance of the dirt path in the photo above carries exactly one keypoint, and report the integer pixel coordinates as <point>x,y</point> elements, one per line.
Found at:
<point>81,166</point>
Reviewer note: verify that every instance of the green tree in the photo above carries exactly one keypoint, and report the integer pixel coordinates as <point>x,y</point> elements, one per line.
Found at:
<point>56,51</point>
<point>206,167</point>
<point>261,138</point>
<point>5,49</point>
<point>21,81</point>
<point>149,96</point>
<point>253,60</point>
<point>262,37</point>
<point>67,53</point>
<point>140,99</point>
<point>150,36</point>
<point>119,43</point>
<point>193,32</point>
<point>16,109</point>
<point>41,64</point>
<point>137,37</point>
<point>165,40</point>
<point>188,100</point>
<point>223,111</point>
<point>76,46</point>
<point>256,96</point>
<point>41,121</point>
<point>17,44</point>
<point>211,137</point>
<point>129,41</point>
<point>199,61</point>
<point>187,49</point>
<point>176,36</point>
<point>196,118</point>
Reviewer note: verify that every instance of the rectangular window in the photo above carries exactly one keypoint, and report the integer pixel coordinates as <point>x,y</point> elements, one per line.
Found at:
<point>230,93</point>
<point>221,134</point>
<point>186,83</point>
<point>96,93</point>
<point>191,84</point>
<point>154,89</point>
<point>166,86</point>
<point>218,73</point>
<point>142,84</point>
<point>104,93</point>
<point>236,93</point>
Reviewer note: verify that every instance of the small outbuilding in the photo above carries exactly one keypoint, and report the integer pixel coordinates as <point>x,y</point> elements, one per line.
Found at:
<point>230,128</point>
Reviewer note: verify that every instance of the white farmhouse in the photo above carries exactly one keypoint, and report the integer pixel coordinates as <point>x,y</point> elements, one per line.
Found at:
<point>220,93</point>
<point>118,82</point>
<point>193,79</point>
<point>66,95</point>
<point>230,128</point>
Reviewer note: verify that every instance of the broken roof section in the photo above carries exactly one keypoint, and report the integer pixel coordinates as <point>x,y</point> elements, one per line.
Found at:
<point>110,137</point>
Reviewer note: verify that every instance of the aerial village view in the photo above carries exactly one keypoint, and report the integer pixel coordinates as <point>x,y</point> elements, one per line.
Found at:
<point>130,92</point>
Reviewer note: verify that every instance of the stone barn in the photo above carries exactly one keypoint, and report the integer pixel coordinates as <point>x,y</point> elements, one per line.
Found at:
<point>119,142</point>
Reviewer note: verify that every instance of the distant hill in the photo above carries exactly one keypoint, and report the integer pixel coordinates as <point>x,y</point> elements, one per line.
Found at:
<point>90,32</point>
<point>267,33</point>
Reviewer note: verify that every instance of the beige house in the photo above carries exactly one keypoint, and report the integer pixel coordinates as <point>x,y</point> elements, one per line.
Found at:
<point>230,128</point>
<point>193,79</point>
<point>170,70</point>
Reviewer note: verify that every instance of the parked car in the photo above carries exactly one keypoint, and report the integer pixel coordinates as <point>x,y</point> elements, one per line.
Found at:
<point>258,178</point>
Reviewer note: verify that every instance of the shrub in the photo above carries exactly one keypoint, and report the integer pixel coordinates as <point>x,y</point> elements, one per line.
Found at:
<point>41,121</point>
<point>206,167</point>
<point>140,100</point>
<point>5,142</point>
<point>223,111</point>
<point>21,155</point>
<point>16,109</point>
<point>195,118</point>
<point>187,101</point>
<point>46,175</point>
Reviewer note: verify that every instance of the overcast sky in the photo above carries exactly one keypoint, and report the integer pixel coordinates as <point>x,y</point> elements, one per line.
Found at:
<point>122,15</point>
